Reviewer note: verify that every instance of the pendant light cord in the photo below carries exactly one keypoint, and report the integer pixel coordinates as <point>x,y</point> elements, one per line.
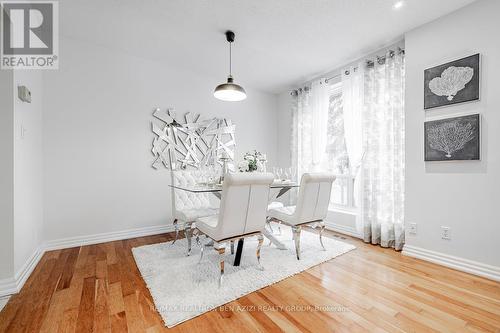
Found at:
<point>230,74</point>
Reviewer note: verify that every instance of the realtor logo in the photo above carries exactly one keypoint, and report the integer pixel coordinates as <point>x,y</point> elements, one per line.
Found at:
<point>29,35</point>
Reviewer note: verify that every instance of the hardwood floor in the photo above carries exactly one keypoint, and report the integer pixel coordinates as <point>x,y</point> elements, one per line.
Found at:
<point>98,288</point>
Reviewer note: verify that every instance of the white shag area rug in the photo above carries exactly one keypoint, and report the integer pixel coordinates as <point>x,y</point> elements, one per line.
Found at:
<point>182,289</point>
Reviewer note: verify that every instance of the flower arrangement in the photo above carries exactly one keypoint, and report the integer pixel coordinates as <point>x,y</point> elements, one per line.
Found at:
<point>252,161</point>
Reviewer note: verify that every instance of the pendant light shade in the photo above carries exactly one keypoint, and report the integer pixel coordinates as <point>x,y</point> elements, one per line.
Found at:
<point>230,91</point>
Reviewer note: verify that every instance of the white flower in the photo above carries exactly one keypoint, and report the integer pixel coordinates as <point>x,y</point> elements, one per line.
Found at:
<point>243,166</point>
<point>249,157</point>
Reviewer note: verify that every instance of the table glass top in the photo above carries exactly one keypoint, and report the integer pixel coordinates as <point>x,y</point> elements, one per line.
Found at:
<point>218,187</point>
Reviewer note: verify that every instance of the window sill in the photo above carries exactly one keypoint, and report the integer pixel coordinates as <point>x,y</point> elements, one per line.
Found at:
<point>343,210</point>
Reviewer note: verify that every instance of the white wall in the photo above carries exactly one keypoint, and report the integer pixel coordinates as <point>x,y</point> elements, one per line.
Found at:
<point>28,168</point>
<point>6,175</point>
<point>462,195</point>
<point>97,137</point>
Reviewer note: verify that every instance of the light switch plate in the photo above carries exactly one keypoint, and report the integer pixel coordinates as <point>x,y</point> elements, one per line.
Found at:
<point>412,228</point>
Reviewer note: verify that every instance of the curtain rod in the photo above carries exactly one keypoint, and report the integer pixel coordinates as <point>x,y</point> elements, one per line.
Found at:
<point>368,62</point>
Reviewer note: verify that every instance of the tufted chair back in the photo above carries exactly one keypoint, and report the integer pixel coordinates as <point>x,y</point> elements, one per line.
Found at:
<point>314,196</point>
<point>243,207</point>
<point>183,200</point>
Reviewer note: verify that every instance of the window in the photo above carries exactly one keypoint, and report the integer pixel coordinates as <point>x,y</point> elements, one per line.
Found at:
<point>337,159</point>
<point>334,158</point>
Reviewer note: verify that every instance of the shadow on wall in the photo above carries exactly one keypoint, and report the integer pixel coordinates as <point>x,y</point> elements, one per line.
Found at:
<point>456,167</point>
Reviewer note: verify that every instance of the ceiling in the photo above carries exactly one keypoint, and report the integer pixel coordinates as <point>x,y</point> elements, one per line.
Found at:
<point>279,43</point>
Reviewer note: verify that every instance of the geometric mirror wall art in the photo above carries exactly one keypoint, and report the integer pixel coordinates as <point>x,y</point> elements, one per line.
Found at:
<point>190,140</point>
<point>451,83</point>
<point>452,138</point>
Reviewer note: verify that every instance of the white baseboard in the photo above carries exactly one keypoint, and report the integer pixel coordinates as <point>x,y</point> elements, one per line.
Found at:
<point>343,229</point>
<point>24,273</point>
<point>3,301</point>
<point>461,264</point>
<point>13,285</point>
<point>64,243</point>
<point>4,298</point>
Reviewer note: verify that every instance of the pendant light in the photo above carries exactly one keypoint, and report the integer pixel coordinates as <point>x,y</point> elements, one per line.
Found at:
<point>230,91</point>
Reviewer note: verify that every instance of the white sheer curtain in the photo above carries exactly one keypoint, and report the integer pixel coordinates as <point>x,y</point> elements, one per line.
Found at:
<point>309,127</point>
<point>373,109</point>
<point>320,97</point>
<point>353,98</point>
<point>382,171</point>
<point>301,129</point>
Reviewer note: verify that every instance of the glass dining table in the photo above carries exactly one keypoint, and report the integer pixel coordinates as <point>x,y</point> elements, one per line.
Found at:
<point>281,188</point>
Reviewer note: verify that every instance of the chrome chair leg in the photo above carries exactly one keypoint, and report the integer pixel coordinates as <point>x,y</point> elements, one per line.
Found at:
<point>268,224</point>
<point>196,233</point>
<point>221,251</point>
<point>201,253</point>
<point>176,228</point>
<point>296,237</point>
<point>261,240</point>
<point>322,227</point>
<point>270,227</point>
<point>188,232</point>
<point>203,246</point>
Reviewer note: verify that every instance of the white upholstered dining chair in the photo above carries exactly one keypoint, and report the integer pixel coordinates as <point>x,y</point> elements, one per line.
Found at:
<point>243,212</point>
<point>187,207</point>
<point>311,208</point>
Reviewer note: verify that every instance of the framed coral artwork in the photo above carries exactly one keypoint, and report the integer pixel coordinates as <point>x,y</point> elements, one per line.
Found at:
<point>451,83</point>
<point>452,139</point>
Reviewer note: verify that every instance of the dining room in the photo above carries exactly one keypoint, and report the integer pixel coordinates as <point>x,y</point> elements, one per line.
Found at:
<point>263,166</point>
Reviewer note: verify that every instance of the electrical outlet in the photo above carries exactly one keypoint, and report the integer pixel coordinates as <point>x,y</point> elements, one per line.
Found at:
<point>445,233</point>
<point>413,228</point>
<point>23,131</point>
